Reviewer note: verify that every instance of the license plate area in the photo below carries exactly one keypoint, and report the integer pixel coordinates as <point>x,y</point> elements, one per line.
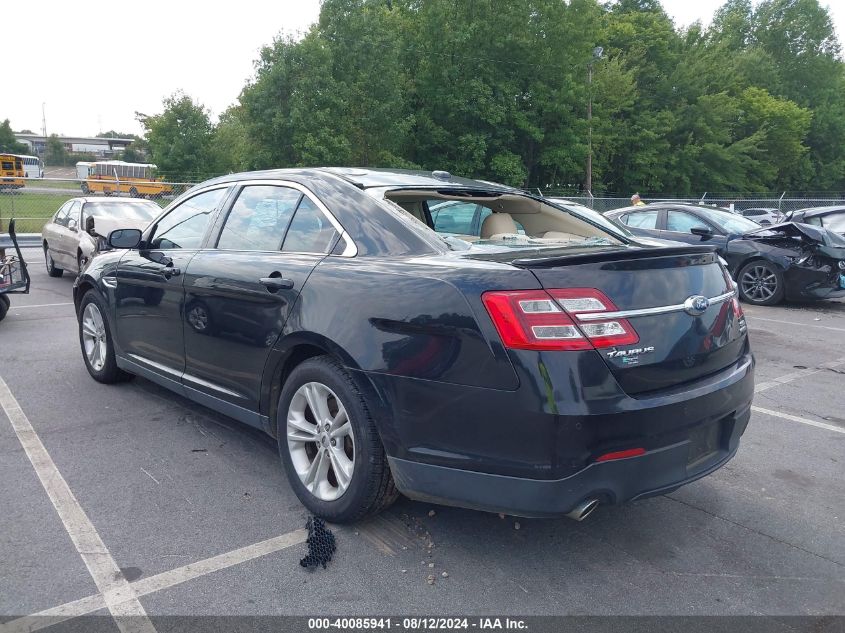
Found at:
<point>704,444</point>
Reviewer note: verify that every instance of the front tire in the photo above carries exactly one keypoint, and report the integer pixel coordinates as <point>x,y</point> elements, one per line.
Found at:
<point>52,269</point>
<point>95,339</point>
<point>761,283</point>
<point>329,446</point>
<point>4,306</point>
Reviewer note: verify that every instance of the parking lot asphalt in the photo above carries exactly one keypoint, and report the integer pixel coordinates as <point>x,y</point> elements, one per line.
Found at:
<point>194,510</point>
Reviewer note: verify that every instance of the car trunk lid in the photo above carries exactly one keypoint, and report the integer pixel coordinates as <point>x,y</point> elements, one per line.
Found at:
<point>679,301</point>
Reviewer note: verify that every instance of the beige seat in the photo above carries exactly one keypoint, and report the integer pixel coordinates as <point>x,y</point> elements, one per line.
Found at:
<point>497,224</point>
<point>557,235</point>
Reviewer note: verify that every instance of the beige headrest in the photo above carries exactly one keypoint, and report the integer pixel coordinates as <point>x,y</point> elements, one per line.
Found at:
<point>497,224</point>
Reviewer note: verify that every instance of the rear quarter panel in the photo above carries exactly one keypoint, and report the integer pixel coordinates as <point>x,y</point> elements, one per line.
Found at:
<point>409,318</point>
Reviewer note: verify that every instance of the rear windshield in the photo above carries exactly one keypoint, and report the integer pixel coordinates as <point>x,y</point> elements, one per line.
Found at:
<point>502,219</point>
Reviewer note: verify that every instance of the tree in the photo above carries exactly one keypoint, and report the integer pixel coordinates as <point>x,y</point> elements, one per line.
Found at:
<point>751,102</point>
<point>8,142</point>
<point>180,139</point>
<point>55,153</point>
<point>230,146</point>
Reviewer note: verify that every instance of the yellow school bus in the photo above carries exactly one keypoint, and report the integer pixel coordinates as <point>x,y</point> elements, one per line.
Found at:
<point>116,176</point>
<point>11,172</point>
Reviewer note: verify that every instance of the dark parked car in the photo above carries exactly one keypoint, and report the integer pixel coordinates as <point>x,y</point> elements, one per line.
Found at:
<point>783,261</point>
<point>830,218</point>
<point>537,374</point>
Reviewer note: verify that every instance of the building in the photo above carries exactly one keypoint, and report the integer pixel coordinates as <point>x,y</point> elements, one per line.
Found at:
<point>99,147</point>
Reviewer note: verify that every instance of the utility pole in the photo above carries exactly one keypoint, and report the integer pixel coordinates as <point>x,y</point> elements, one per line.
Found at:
<point>588,181</point>
<point>44,125</point>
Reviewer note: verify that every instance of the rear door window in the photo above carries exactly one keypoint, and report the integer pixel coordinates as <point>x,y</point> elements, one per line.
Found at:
<point>62,214</point>
<point>642,220</point>
<point>310,231</point>
<point>259,218</point>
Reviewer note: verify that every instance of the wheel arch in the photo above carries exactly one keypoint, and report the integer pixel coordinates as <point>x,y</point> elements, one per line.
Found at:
<point>79,291</point>
<point>756,257</point>
<point>293,350</point>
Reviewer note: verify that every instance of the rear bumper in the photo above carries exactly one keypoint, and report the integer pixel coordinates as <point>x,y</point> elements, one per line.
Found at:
<point>657,472</point>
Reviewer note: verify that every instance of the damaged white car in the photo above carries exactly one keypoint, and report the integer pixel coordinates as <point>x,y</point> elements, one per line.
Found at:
<point>81,226</point>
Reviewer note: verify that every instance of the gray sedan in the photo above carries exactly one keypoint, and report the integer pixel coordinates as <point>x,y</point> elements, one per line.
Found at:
<point>78,230</point>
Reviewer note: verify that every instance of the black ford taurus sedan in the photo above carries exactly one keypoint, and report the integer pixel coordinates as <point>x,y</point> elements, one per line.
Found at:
<point>538,363</point>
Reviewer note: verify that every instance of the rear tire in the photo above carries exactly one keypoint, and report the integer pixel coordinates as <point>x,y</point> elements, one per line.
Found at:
<point>4,306</point>
<point>133,192</point>
<point>85,188</point>
<point>365,484</point>
<point>96,342</point>
<point>761,283</point>
<point>52,269</point>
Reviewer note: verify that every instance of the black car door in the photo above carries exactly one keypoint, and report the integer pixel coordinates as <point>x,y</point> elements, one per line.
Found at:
<point>239,293</point>
<point>149,294</point>
<point>680,224</point>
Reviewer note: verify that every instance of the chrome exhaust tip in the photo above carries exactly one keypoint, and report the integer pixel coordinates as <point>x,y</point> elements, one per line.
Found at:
<point>583,509</point>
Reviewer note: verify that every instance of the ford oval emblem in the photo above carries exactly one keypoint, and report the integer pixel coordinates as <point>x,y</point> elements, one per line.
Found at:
<point>696,305</point>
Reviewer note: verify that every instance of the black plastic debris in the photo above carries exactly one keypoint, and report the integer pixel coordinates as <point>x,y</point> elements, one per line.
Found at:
<point>321,544</point>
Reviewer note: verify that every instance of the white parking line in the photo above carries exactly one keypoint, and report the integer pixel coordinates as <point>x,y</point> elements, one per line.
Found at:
<point>41,305</point>
<point>161,581</point>
<point>795,418</point>
<point>116,591</point>
<point>823,327</point>
<point>795,375</point>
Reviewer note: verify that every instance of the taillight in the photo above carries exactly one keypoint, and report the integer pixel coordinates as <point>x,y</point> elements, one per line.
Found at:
<point>549,320</point>
<point>738,313</point>
<point>530,319</point>
<point>586,304</point>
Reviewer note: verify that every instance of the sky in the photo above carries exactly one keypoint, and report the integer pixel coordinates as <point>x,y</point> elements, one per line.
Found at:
<point>93,69</point>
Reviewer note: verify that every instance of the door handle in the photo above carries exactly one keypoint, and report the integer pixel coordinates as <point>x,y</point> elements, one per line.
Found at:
<point>169,271</point>
<point>274,284</point>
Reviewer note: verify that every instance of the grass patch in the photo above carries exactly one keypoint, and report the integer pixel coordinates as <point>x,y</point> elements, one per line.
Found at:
<point>43,183</point>
<point>24,204</point>
<point>32,209</point>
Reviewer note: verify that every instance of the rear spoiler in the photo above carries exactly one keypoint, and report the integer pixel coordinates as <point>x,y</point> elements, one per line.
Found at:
<point>624,254</point>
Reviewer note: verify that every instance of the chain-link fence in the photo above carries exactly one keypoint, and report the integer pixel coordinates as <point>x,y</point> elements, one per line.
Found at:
<point>38,199</point>
<point>738,202</point>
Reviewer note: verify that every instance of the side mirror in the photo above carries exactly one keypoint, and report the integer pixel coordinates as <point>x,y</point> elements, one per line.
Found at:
<point>89,225</point>
<point>71,224</point>
<point>702,232</point>
<point>125,238</point>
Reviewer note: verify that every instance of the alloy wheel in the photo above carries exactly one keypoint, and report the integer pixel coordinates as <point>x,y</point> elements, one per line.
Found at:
<point>759,283</point>
<point>321,441</point>
<point>94,337</point>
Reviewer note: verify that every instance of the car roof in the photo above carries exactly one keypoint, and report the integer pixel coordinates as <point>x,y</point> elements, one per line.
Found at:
<point>815,211</point>
<point>667,205</point>
<point>368,177</point>
<point>108,200</point>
